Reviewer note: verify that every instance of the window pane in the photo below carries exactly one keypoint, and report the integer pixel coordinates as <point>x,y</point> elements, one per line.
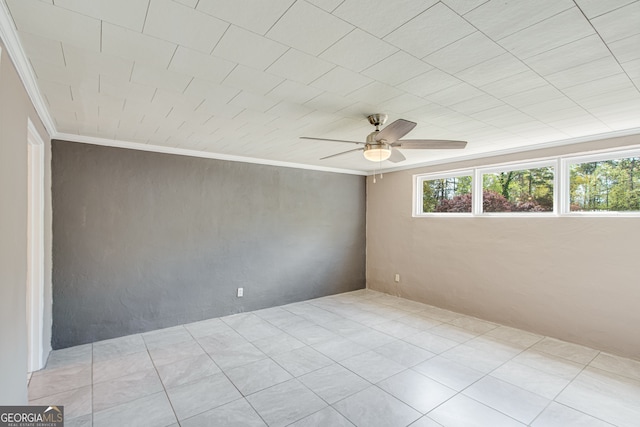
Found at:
<point>611,185</point>
<point>447,194</point>
<point>527,190</point>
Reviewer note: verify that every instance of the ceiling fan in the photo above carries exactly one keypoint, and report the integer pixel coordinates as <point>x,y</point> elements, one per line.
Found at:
<point>384,144</point>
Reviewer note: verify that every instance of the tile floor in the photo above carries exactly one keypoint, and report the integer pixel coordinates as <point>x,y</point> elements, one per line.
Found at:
<point>361,358</point>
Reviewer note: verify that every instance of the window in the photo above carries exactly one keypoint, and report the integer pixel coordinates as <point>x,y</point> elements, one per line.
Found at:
<point>605,185</point>
<point>528,190</point>
<point>446,194</point>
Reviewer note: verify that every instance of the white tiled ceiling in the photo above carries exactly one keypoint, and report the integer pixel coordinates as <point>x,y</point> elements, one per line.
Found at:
<point>248,77</point>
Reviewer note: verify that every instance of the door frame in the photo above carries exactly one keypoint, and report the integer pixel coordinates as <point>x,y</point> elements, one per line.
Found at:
<point>35,249</point>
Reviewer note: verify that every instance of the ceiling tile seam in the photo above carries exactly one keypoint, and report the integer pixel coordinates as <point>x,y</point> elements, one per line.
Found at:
<point>155,92</point>
<point>457,40</point>
<point>554,48</point>
<point>74,11</point>
<point>578,103</point>
<point>335,8</point>
<point>549,50</point>
<point>64,56</point>
<point>626,38</point>
<point>471,118</point>
<point>173,55</point>
<point>550,84</point>
<point>228,74</point>
<point>146,15</point>
<point>399,50</point>
<point>449,74</point>
<point>607,46</point>
<point>278,20</point>
<point>219,40</point>
<point>199,105</point>
<point>400,82</point>
<point>506,51</point>
<point>133,67</point>
<point>607,12</point>
<point>406,22</point>
<point>336,42</point>
<point>229,101</point>
<point>586,81</point>
<point>276,60</point>
<point>331,93</point>
<point>476,7</point>
<point>101,25</point>
<point>321,76</point>
<point>361,29</point>
<point>460,39</point>
<point>142,34</point>
<point>533,24</point>
<point>183,91</point>
<point>531,69</point>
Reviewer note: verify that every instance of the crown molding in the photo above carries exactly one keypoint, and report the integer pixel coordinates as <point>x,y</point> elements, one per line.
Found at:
<point>9,35</point>
<point>196,153</point>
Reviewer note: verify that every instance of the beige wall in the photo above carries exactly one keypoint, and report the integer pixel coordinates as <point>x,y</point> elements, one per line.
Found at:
<point>576,279</point>
<point>15,109</point>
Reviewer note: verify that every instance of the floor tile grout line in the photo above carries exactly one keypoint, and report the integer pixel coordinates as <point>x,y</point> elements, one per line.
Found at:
<point>293,377</point>
<point>515,385</point>
<point>164,388</point>
<point>92,400</point>
<point>242,396</point>
<point>386,319</point>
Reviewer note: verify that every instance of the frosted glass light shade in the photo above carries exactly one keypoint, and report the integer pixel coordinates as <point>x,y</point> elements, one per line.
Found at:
<point>377,154</point>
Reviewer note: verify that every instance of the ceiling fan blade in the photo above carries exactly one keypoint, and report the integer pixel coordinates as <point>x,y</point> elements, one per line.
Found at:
<point>396,156</point>
<point>331,140</point>
<point>340,154</point>
<point>395,131</point>
<point>429,144</point>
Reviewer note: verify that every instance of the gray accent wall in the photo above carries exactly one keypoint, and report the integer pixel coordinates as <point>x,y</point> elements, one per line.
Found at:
<point>146,240</point>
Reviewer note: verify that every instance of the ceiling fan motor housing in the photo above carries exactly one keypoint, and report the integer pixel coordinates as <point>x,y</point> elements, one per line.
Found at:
<point>377,119</point>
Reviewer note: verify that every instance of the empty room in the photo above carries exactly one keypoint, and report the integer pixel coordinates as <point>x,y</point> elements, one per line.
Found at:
<point>320,213</point>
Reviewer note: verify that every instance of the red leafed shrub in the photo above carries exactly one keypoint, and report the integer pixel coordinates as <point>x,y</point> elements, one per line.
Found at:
<point>491,202</point>
<point>461,203</point>
<point>528,206</point>
<point>495,202</point>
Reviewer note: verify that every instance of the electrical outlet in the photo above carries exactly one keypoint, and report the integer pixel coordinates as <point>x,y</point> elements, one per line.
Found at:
<point>240,292</point>
<point>397,278</point>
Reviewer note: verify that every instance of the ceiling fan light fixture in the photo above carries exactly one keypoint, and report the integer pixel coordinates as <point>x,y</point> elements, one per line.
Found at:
<point>377,153</point>
<point>385,144</point>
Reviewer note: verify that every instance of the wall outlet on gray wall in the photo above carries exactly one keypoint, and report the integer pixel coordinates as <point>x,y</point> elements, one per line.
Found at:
<point>240,292</point>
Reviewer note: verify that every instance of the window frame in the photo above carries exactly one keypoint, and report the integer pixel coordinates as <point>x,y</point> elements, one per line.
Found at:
<point>418,183</point>
<point>566,163</point>
<point>561,185</point>
<point>515,166</point>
